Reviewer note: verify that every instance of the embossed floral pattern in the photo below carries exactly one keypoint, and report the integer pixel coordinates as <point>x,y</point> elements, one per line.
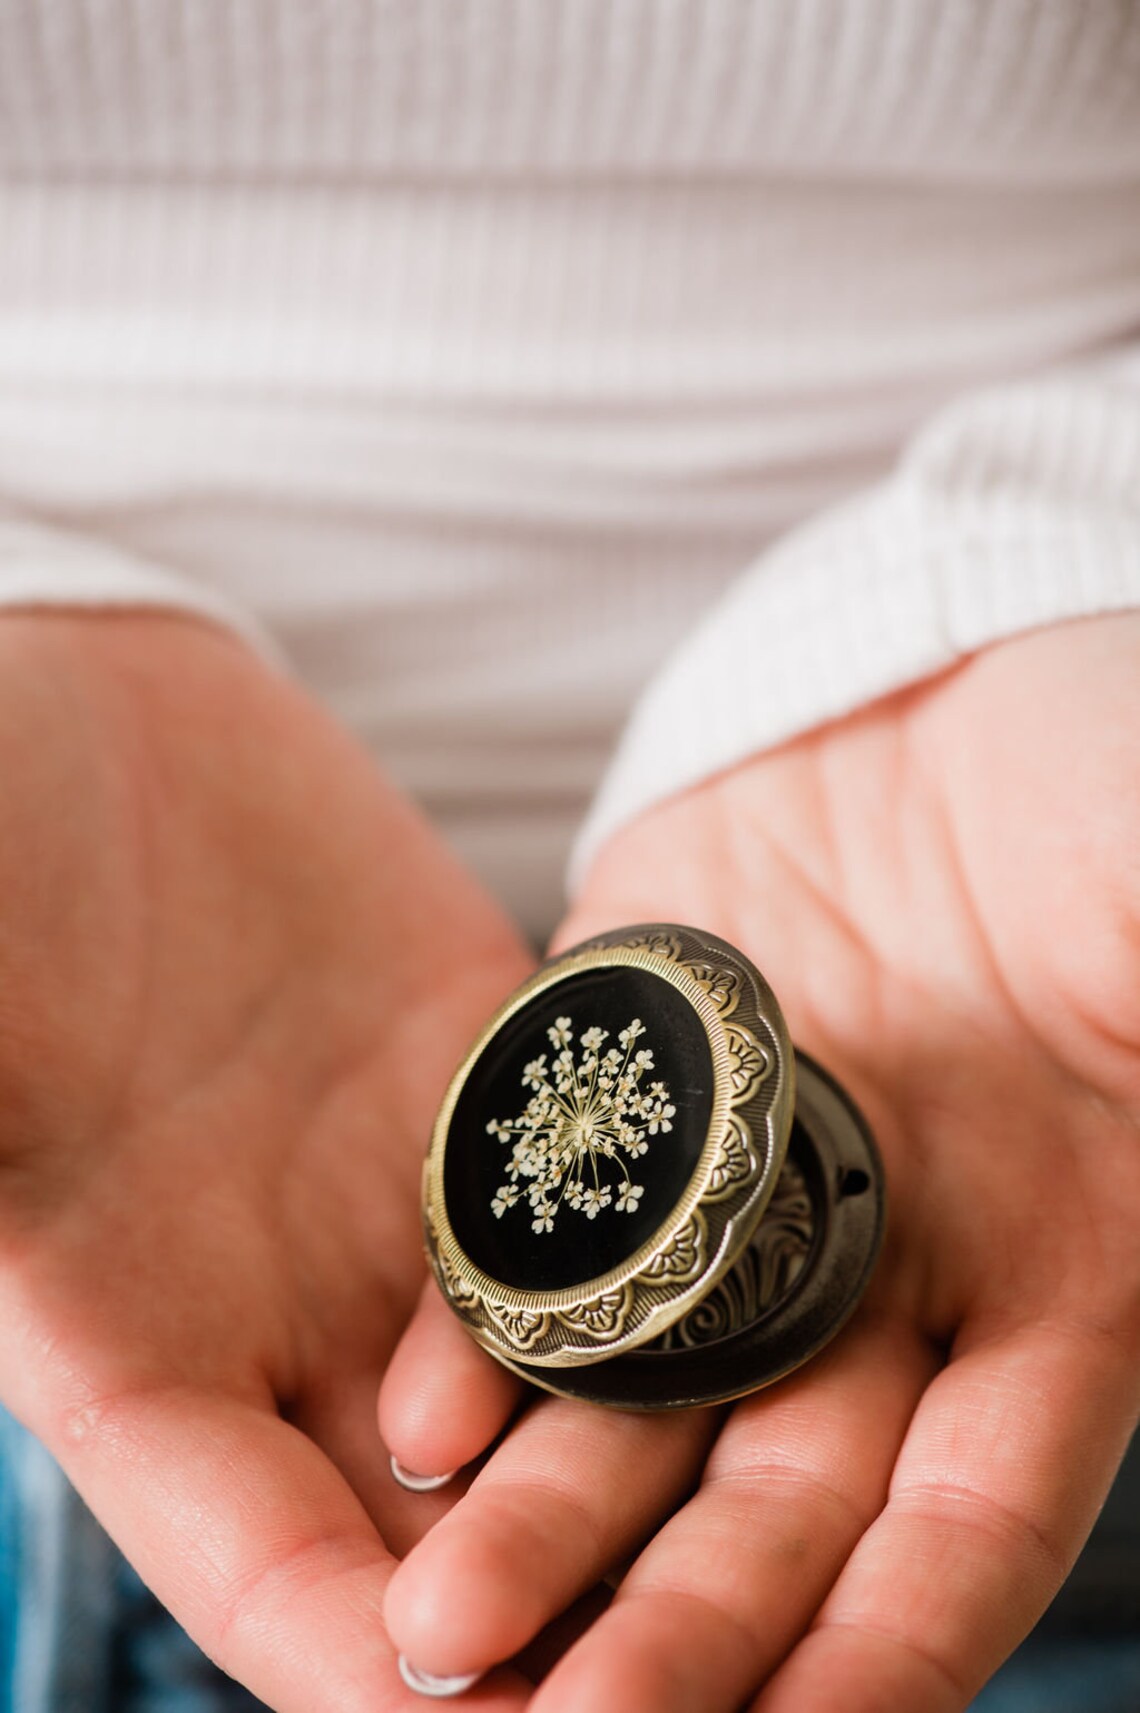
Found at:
<point>590,1112</point>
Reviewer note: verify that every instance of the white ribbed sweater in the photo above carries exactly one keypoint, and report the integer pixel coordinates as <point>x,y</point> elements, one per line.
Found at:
<point>482,354</point>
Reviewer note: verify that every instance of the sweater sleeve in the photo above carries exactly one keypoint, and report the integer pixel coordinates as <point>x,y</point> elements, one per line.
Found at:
<point>43,566</point>
<point>1014,508</point>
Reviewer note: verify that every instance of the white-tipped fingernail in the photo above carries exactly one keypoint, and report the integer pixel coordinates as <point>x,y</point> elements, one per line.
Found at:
<point>439,1688</point>
<point>419,1483</point>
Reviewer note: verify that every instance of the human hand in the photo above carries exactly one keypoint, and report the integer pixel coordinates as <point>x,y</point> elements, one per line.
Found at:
<point>236,970</point>
<point>945,893</point>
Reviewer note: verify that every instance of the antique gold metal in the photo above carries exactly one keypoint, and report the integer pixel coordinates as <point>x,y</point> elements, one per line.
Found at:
<point>587,1239</point>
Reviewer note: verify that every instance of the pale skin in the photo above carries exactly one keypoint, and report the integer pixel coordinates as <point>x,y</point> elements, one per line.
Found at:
<point>231,997</point>
<point>236,970</point>
<point>944,890</point>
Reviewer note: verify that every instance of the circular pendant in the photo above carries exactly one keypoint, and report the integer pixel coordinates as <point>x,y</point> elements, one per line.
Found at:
<point>631,1197</point>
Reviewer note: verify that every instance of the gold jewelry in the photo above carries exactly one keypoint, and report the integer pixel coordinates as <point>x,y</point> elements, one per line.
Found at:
<point>636,1191</point>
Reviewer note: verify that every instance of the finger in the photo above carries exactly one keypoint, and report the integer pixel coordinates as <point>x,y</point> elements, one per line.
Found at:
<point>540,1657</point>
<point>571,1489</point>
<point>1008,1459</point>
<point>339,1414</point>
<point>254,1541</point>
<point>443,1400</point>
<point>730,1583</point>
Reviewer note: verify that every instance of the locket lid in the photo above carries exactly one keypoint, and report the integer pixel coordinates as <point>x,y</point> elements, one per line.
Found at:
<point>606,1149</point>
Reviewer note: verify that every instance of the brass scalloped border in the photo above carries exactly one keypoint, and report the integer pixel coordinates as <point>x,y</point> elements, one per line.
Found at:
<point>730,1186</point>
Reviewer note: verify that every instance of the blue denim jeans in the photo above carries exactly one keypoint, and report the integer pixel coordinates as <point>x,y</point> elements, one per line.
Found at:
<point>80,1634</point>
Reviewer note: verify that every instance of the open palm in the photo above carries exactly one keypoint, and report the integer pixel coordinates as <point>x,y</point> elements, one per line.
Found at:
<point>945,893</point>
<point>235,972</point>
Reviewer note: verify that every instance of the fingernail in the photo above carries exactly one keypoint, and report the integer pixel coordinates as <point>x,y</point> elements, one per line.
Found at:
<point>414,1483</point>
<point>439,1688</point>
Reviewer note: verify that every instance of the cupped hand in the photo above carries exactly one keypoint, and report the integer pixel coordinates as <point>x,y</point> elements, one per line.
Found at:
<point>236,970</point>
<point>944,891</point>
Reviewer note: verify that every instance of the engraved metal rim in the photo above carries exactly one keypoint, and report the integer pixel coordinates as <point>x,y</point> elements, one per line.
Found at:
<point>509,1296</point>
<point>816,1309</point>
<point>449,1258</point>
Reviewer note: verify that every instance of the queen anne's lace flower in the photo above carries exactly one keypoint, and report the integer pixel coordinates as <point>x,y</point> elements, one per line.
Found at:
<point>560,1034</point>
<point>582,1112</point>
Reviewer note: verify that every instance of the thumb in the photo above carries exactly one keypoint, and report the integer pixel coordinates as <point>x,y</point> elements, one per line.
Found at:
<point>253,1540</point>
<point>443,1400</point>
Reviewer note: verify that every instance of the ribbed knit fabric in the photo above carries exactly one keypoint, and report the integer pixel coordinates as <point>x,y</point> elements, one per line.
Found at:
<point>468,352</point>
<point>1040,90</point>
<point>1016,508</point>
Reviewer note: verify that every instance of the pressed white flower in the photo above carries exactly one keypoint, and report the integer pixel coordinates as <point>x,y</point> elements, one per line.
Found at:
<point>582,1113</point>
<point>659,1117</point>
<point>534,1074</point>
<point>559,1034</point>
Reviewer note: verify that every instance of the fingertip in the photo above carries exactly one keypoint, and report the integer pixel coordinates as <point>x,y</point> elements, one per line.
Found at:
<point>434,1687</point>
<point>443,1401</point>
<point>413,1483</point>
<point>435,1607</point>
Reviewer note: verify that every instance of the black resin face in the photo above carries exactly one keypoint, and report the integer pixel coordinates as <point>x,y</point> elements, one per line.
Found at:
<point>593,1148</point>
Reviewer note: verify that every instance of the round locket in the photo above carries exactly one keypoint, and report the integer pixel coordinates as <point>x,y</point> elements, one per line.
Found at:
<point>637,1192</point>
